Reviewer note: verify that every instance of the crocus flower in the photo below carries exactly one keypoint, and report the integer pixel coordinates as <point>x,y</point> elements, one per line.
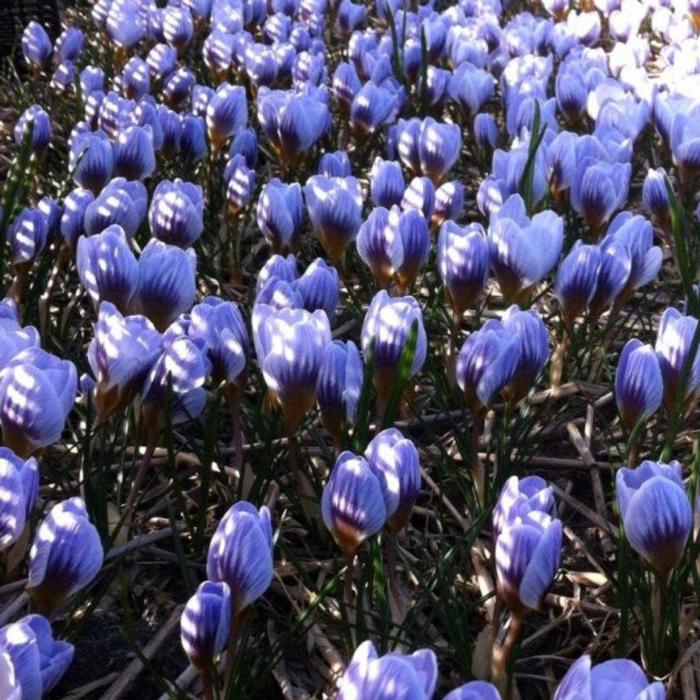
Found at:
<point>178,88</point>
<point>371,107</point>
<point>614,678</point>
<point>241,184</point>
<point>217,52</point>
<point>471,87</point>
<point>204,625</point>
<point>91,161</point>
<point>36,45</point>
<point>10,687</point>
<point>176,215</point>
<point>449,202</point>
<point>438,148</point>
<point>65,556</point>
<point>120,202</point>
<point>527,558</point>
<point>529,493</point>
<point>345,86</point>
<point>576,280</point>
<point>280,214</point>
<point>485,131</point>
<point>339,385</point>
<point>475,690</point>
<point>394,461</point>
<point>393,675</point>
<point>319,287</point>
<point>386,327</point>
<point>125,24</point>
<point>291,343</point>
<point>135,79</point>
<point>193,140</point>
<point>161,61</point>
<point>335,164</point>
<point>463,263</point>
<point>673,342</point>
<point>571,96</point>
<point>120,355</point>
<point>27,236</point>
<point>522,250</point>
<point>638,383</point>
<point>134,156</point>
<point>655,511</point>
<point>352,503</point>
<point>227,114</point>
<point>613,273</point>
<point>13,501</point>
<point>107,268</point>
<point>387,183</point>
<point>277,266</point>
<point>41,128</point>
<point>166,282</point>
<point>178,26</point>
<point>39,661</point>
<point>240,554</point>
<point>63,78</point>
<point>37,392</point>
<point>335,210</point>
<point>655,197</point>
<point>246,144</point>
<point>685,145</point>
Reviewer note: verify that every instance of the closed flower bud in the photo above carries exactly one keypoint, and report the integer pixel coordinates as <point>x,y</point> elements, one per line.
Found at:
<point>613,678</point>
<point>576,281</point>
<point>161,61</point>
<point>352,503</point>
<point>290,348</point>
<point>39,661</point>
<point>475,690</point>
<point>135,79</point>
<point>438,148</point>
<point>246,144</point>
<point>107,268</point>
<point>92,79</point>
<point>27,236</point>
<point>204,625</point>
<point>41,128</point>
<point>227,114</point>
<point>387,184</point>
<point>655,197</point>
<point>91,161</point>
<point>280,214</point>
<point>176,215</point>
<point>372,107</point>
<point>121,202</point>
<point>485,131</point>
<point>420,194</point>
<point>120,355</point>
<point>125,24</point>
<point>240,554</point>
<point>334,165</point>
<point>345,86</point>
<point>65,556</point>
<point>36,45</point>
<point>613,273</point>
<point>319,287</point>
<point>166,282</point>
<point>193,139</point>
<point>655,512</point>
<point>394,461</point>
<point>463,263</point>
<point>471,88</point>
<point>571,95</point>
<point>638,383</point>
<point>178,27</point>
<point>368,675</point>
<point>277,266</point>
<point>529,493</point>
<point>217,52</point>
<point>134,157</point>
<point>449,202</point>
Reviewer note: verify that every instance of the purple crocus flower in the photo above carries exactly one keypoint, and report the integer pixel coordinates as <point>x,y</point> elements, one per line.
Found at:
<point>27,236</point>
<point>65,557</point>
<point>576,280</point>
<point>614,678</point>
<point>69,45</point>
<point>449,203</point>
<point>280,214</point>
<point>107,268</point>
<point>471,87</point>
<point>395,462</point>
<point>135,79</point>
<point>352,503</point>
<point>345,86</point>
<point>178,27</point>
<point>193,139</point>
<point>319,287</point>
<point>387,183</point>
<point>36,46</point>
<point>134,156</point>
<point>39,661</point>
<point>125,23</point>
<point>335,164</point>
<point>204,625</point>
<point>638,383</point>
<point>485,132</point>
<point>393,675</point>
<point>613,273</point>
<point>120,202</point>
<point>529,493</point>
<point>19,487</point>
<point>335,210</point>
<point>176,215</point>
<point>41,128</point>
<point>241,184</point>
<point>277,266</point>
<point>91,160</point>
<point>226,115</point>
<point>438,148</point>
<point>240,554</point>
<point>655,197</point>
<point>655,512</point>
<point>217,52</point>
<point>475,690</point>
<point>372,107</point>
<point>673,341</point>
<point>339,385</point>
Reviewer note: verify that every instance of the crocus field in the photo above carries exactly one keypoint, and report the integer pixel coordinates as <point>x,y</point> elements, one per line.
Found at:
<point>351,350</point>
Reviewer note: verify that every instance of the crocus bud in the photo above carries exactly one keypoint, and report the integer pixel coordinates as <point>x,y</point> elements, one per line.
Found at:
<point>37,392</point>
<point>120,355</point>
<point>613,273</point>
<point>610,679</point>
<point>339,385</point>
<point>576,281</point>
<point>463,263</point>
<point>393,675</point>
<point>291,342</point>
<point>36,46</point>
<point>20,483</point>
<point>638,383</point>
<point>345,86</point>
<point>319,287</point>
<point>217,51</point>
<point>485,132</point>
<point>171,127</point>
<point>193,140</point>
<point>655,197</point>
<point>386,183</point>
<point>27,236</point>
<point>449,202</point>
<point>178,88</point>
<point>387,325</point>
<point>438,148</point>
<point>221,326</point>
<point>41,128</point>
<point>352,503</point>
<point>278,266</point>
<point>378,245</point>
<point>10,687</point>
<point>135,79</point>
<point>529,493</point>
<point>204,625</point>
<point>121,202</point>
<point>91,161</point>
<point>394,461</point>
<point>527,558</point>
<point>471,87</point>
<point>280,214</point>
<point>241,184</point>
<point>420,194</point>
<point>125,24</point>
<point>335,210</point>
<point>334,165</point>
<point>134,157</point>
<point>176,215</point>
<point>413,247</point>
<point>655,512</point>
<point>476,690</point>
<point>246,144</point>
<point>39,660</point>
<point>161,61</point>
<point>166,282</point>
<point>227,114</point>
<point>240,553</point>
<point>571,95</point>
<point>65,556</point>
<point>107,268</point>
<point>372,106</point>
<point>673,341</point>
<point>178,27</point>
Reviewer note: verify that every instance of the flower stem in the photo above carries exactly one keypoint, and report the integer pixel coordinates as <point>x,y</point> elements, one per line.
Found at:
<point>500,676</point>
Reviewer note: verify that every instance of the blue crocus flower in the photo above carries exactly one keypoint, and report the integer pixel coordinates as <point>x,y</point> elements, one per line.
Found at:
<point>178,27</point>
<point>91,160</point>
<point>485,131</point>
<point>135,79</point>
<point>19,486</point>
<point>655,197</point>
<point>36,46</point>
<point>41,128</point>
<point>319,287</point>
<point>69,45</point>
<point>280,214</point>
<point>27,236</point>
<point>438,148</point>
<point>372,107</point>
<point>66,555</point>
<point>638,383</point>
<point>226,115</point>
<point>336,164</point>
<point>346,84</point>
<point>475,690</point>
<point>576,280</point>
<point>121,202</point>
<point>471,87</point>
<point>176,215</point>
<point>134,155</point>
